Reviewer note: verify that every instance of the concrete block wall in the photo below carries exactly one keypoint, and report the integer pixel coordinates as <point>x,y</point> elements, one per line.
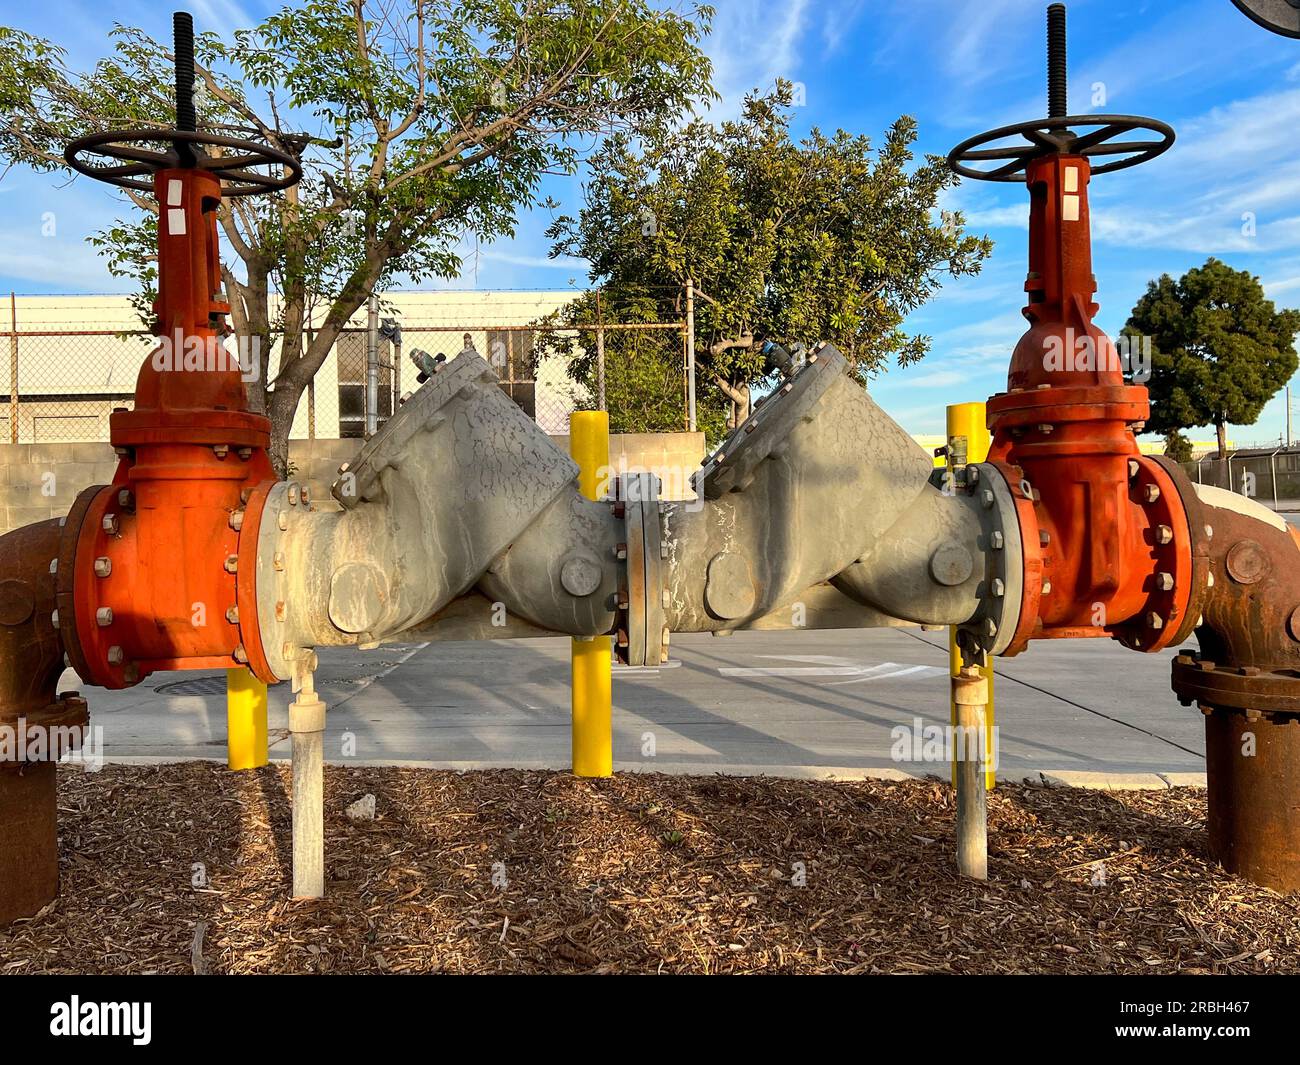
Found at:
<point>39,481</point>
<point>672,457</point>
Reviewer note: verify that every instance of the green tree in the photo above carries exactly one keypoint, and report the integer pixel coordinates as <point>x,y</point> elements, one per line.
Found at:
<point>1219,349</point>
<point>1177,446</point>
<point>419,123</point>
<point>827,238</point>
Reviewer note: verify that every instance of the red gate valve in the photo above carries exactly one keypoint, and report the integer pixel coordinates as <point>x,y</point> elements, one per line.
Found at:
<point>1107,549</point>
<point>150,566</point>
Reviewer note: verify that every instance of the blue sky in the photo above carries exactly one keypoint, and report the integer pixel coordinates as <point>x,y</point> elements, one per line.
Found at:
<point>1229,88</point>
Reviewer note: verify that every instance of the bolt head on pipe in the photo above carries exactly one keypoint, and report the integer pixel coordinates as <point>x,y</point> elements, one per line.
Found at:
<point>104,616</point>
<point>103,566</point>
<point>110,524</point>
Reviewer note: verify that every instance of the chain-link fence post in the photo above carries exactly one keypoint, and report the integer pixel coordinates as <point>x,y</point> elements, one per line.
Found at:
<point>13,368</point>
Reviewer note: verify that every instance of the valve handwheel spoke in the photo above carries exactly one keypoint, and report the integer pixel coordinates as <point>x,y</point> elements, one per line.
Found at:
<point>234,170</point>
<point>1057,136</point>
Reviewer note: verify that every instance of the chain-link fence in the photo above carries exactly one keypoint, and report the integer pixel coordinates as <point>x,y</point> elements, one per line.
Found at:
<point>74,359</point>
<point>1269,475</point>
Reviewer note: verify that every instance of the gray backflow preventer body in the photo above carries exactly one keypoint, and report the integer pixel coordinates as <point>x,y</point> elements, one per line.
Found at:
<point>461,519</point>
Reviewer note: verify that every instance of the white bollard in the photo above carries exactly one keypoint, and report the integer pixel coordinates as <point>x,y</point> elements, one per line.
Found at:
<point>307,728</point>
<point>970,696</point>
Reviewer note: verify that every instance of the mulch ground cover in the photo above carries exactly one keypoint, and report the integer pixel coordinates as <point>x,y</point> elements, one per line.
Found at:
<point>186,868</point>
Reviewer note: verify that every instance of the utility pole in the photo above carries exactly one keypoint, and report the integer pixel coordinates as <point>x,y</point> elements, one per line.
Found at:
<point>690,355</point>
<point>1288,415</point>
<point>600,354</point>
<point>372,366</point>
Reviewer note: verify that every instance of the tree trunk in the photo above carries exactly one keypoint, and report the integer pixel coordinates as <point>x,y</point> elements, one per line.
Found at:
<point>739,396</point>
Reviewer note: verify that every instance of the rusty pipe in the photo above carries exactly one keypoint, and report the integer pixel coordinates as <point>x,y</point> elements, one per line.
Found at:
<point>36,724</point>
<point>1246,680</point>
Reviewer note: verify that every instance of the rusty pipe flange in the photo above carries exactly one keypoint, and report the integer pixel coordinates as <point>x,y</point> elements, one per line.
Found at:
<point>74,530</point>
<point>1199,534</point>
<point>991,629</point>
<point>1176,582</point>
<point>43,735</point>
<point>1214,686</point>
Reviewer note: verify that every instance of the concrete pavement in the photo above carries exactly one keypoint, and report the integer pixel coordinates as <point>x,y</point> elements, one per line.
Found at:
<point>799,703</point>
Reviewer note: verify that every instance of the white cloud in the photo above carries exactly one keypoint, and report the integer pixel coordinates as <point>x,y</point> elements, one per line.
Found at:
<point>751,46</point>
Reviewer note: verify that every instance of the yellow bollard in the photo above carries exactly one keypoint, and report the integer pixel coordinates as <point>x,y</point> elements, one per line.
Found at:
<point>968,441</point>
<point>245,720</point>
<point>593,730</point>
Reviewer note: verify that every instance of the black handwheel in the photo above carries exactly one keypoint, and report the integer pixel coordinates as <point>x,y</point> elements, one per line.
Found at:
<point>132,164</point>
<point>1060,136</point>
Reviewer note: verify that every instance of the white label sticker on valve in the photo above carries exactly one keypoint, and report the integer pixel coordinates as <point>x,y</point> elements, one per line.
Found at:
<point>176,222</point>
<point>1070,208</point>
<point>1071,179</point>
<point>173,192</point>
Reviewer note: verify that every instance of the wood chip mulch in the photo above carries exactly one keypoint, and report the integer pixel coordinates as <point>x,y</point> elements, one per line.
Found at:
<point>185,868</point>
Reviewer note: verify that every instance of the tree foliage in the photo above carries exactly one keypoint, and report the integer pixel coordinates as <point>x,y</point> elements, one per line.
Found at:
<point>419,123</point>
<point>827,238</point>
<point>1177,446</point>
<point>1220,349</point>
